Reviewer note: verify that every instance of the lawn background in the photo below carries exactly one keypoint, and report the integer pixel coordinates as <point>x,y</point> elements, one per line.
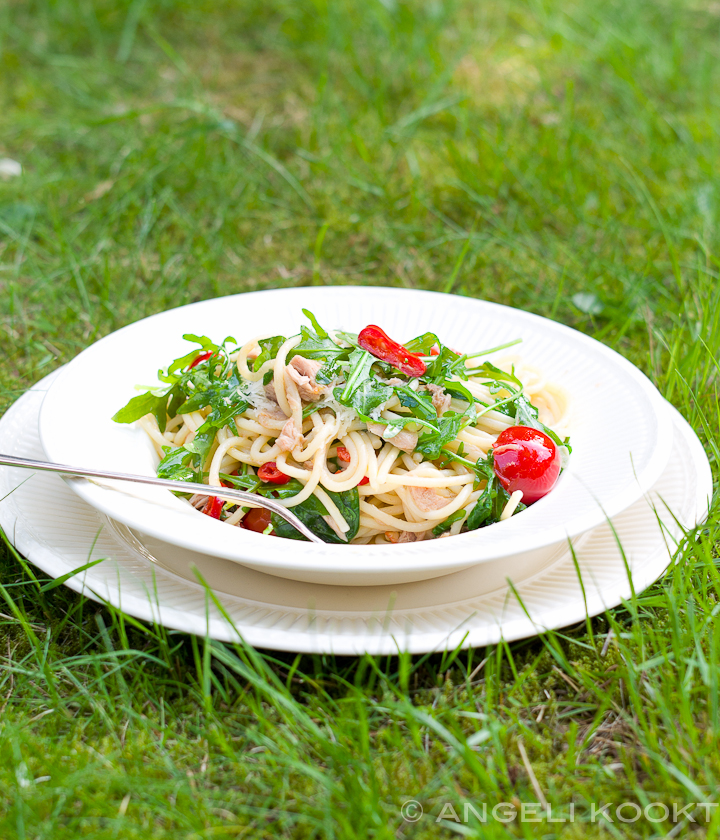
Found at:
<point>556,156</point>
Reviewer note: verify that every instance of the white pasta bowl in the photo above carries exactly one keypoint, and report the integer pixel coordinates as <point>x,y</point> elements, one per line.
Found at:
<point>621,430</point>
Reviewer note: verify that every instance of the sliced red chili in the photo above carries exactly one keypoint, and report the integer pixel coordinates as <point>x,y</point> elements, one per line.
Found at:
<point>343,454</point>
<point>377,342</point>
<point>270,473</point>
<point>213,507</point>
<point>363,480</point>
<point>202,357</point>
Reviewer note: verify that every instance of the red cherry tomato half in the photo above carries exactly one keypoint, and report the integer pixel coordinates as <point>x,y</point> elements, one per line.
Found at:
<point>213,507</point>
<point>270,473</point>
<point>343,455</point>
<point>377,342</point>
<point>201,358</point>
<point>526,459</point>
<point>256,519</point>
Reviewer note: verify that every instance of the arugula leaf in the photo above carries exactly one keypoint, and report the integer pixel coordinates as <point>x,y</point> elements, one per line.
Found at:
<point>347,337</point>
<point>359,371</point>
<point>311,408</point>
<point>241,482</point>
<point>226,403</point>
<point>444,366</point>
<point>487,370</point>
<point>318,345</point>
<point>321,349</point>
<point>366,398</point>
<point>493,499</point>
<point>201,445</point>
<point>419,404</point>
<point>140,406</point>
<point>177,465</point>
<point>268,350</point>
<point>311,512</point>
<point>448,427</point>
<point>526,414</point>
<point>328,372</point>
<point>456,389</point>
<point>423,344</point>
<point>313,320</point>
<point>205,345</point>
<point>449,522</point>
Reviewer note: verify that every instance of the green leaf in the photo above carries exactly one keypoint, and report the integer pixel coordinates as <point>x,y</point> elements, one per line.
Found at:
<point>493,499</point>
<point>311,512</point>
<point>313,320</point>
<point>419,404</point>
<point>367,397</point>
<point>321,349</point>
<point>444,366</point>
<point>140,406</point>
<point>360,362</point>
<point>201,445</point>
<point>225,399</point>
<point>447,429</point>
<point>424,343</point>
<point>526,413</point>
<point>489,371</point>
<point>251,483</point>
<point>269,348</point>
<point>206,345</point>
<point>456,389</point>
<point>449,522</point>
<point>177,465</point>
<point>329,371</point>
<point>347,337</point>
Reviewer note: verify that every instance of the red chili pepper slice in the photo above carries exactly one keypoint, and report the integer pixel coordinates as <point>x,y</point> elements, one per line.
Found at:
<point>270,473</point>
<point>343,454</point>
<point>363,480</point>
<point>200,358</point>
<point>377,342</point>
<point>213,507</point>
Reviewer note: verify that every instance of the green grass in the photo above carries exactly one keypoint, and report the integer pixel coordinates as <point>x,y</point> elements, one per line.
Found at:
<point>176,150</point>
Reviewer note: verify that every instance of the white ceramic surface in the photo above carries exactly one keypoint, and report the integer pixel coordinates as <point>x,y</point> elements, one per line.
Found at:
<point>621,437</point>
<point>58,532</point>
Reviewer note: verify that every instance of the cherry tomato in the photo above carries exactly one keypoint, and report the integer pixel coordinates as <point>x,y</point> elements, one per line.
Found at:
<point>213,506</point>
<point>256,519</point>
<point>269,472</point>
<point>343,454</point>
<point>201,358</point>
<point>526,459</point>
<point>434,350</point>
<point>377,342</point>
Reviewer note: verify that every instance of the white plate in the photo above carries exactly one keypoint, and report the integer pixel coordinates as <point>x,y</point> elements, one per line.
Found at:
<point>58,532</point>
<point>621,432</point>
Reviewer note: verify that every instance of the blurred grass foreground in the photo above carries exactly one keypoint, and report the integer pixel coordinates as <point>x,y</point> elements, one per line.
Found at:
<point>556,156</point>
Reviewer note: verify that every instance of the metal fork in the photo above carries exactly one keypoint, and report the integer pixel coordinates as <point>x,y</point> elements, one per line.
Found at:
<point>229,494</point>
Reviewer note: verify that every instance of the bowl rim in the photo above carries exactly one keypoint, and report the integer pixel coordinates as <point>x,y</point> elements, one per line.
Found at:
<point>204,535</point>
